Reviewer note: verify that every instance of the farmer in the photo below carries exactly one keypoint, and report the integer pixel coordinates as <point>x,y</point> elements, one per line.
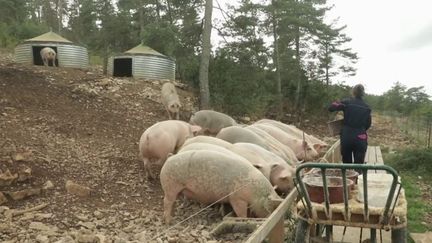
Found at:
<point>357,120</point>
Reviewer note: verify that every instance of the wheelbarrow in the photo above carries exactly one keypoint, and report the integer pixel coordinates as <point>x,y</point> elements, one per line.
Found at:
<point>317,217</point>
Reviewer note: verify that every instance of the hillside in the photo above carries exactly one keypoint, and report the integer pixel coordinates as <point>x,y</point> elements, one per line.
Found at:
<point>60,124</point>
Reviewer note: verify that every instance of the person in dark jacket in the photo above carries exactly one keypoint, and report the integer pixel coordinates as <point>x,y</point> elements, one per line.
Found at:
<point>357,120</point>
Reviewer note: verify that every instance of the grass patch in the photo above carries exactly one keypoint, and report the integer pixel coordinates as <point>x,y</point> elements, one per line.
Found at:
<point>417,206</point>
<point>95,60</point>
<point>415,169</point>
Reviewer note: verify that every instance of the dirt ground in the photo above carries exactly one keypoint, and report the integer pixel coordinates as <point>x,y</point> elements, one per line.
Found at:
<point>59,124</point>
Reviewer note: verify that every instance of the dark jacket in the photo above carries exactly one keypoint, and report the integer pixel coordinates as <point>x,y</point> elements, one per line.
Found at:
<point>357,114</point>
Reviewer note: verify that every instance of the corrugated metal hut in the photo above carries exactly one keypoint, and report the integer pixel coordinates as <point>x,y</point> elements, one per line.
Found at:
<point>68,54</point>
<point>142,62</point>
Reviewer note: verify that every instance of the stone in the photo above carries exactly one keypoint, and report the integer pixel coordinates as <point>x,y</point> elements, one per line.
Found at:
<point>42,227</point>
<point>7,178</point>
<point>98,214</point>
<point>48,185</point>
<point>3,198</point>
<point>18,195</point>
<point>73,188</point>
<point>422,237</point>
<point>86,238</point>
<point>42,239</point>
<point>66,239</point>
<point>24,174</point>
<point>3,209</point>
<point>88,225</point>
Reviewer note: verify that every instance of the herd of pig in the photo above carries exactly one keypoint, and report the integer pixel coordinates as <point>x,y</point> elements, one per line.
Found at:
<point>214,159</point>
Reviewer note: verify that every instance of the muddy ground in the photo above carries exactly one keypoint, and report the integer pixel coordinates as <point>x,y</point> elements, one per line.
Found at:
<point>59,124</point>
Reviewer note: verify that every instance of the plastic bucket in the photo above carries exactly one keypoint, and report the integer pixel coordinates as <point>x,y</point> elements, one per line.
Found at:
<point>378,186</point>
<point>335,127</point>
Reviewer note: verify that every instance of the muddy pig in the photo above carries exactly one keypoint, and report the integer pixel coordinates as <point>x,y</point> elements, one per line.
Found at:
<point>209,177</point>
<point>234,151</point>
<point>281,174</point>
<point>211,121</point>
<point>170,100</point>
<point>48,54</point>
<point>161,139</point>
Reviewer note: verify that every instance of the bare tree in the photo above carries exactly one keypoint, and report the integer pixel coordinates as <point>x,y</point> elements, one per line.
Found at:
<point>205,57</point>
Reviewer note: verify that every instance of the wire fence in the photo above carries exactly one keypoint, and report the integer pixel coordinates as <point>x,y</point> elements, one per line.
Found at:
<point>415,126</point>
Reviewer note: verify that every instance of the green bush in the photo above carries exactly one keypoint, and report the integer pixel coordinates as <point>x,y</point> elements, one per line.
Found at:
<point>414,160</point>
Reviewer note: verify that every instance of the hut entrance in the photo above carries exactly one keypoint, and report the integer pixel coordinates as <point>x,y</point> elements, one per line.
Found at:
<point>37,59</point>
<point>122,67</point>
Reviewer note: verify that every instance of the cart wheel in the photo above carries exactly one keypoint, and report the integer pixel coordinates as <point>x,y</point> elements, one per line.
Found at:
<point>399,235</point>
<point>305,231</point>
<point>302,231</point>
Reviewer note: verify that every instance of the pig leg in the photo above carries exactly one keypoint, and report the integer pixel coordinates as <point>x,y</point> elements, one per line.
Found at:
<point>239,206</point>
<point>169,199</point>
<point>177,115</point>
<point>147,169</point>
<point>169,113</point>
<point>45,62</point>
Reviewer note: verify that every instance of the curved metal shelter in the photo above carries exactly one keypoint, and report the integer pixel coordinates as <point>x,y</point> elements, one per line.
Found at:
<point>68,54</point>
<point>142,62</point>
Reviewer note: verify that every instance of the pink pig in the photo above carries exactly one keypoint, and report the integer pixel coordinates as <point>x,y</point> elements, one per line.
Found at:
<point>302,149</point>
<point>319,145</point>
<point>161,139</point>
<point>48,54</point>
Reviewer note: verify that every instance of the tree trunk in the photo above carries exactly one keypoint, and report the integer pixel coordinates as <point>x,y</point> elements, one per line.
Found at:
<point>158,9</point>
<point>205,57</point>
<point>299,84</point>
<point>327,66</point>
<point>141,21</point>
<point>169,11</point>
<point>276,61</point>
<point>60,15</point>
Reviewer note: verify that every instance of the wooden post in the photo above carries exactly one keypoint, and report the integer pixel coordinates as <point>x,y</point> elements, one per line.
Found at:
<point>277,235</point>
<point>273,225</point>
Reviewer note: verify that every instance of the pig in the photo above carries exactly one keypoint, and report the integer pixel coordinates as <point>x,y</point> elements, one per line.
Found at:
<point>234,151</point>
<point>281,174</point>
<point>275,146</point>
<point>170,100</point>
<point>162,139</point>
<point>319,145</point>
<point>208,139</point>
<point>48,54</point>
<point>302,149</point>
<point>236,134</point>
<point>210,177</point>
<point>211,121</point>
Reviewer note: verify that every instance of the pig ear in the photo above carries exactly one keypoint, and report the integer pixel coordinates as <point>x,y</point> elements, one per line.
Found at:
<point>285,175</point>
<point>305,144</point>
<point>195,129</point>
<point>258,166</point>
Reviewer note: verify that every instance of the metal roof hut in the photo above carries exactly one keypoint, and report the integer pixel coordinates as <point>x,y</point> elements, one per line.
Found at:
<point>68,54</point>
<point>142,62</point>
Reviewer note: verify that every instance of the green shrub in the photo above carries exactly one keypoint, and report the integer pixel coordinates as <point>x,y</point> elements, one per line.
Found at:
<point>414,160</point>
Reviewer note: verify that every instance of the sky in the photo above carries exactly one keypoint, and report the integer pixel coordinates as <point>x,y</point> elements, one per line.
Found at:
<point>393,39</point>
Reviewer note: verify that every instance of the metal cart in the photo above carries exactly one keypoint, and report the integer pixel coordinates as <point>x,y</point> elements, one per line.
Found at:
<point>316,220</point>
